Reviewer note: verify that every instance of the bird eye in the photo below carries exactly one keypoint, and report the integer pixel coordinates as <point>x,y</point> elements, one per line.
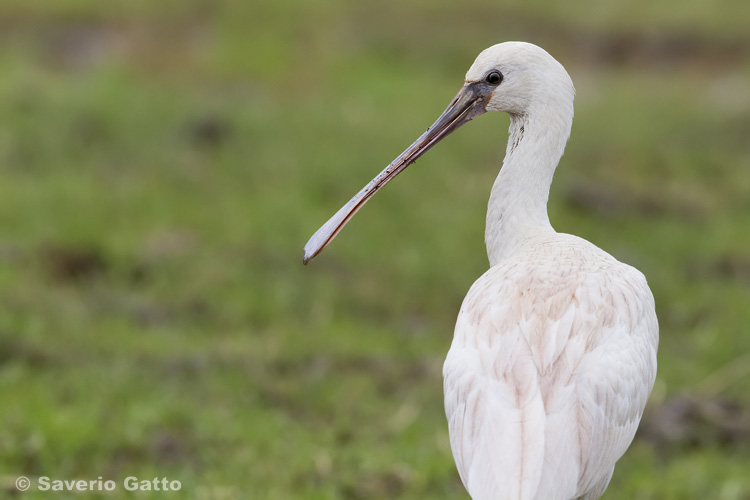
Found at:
<point>494,78</point>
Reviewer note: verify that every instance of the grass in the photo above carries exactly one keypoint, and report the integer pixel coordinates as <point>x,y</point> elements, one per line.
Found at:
<point>163,164</point>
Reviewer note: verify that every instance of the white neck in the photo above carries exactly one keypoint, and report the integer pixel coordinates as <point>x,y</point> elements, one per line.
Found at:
<point>517,208</point>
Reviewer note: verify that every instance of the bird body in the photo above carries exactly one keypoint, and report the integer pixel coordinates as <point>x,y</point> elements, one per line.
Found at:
<point>554,351</point>
<point>552,361</point>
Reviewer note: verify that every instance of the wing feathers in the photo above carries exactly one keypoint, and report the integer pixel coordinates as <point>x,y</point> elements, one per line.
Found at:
<point>547,378</point>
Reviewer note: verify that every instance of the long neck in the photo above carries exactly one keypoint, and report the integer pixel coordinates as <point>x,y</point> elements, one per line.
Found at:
<point>517,208</point>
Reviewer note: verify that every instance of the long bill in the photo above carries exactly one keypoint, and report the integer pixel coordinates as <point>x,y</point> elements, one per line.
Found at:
<point>468,104</point>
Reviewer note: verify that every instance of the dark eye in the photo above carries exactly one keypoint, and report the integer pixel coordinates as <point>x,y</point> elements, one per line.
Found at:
<point>494,78</point>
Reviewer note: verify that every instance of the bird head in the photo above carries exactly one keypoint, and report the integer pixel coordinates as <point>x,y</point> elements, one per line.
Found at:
<point>517,77</point>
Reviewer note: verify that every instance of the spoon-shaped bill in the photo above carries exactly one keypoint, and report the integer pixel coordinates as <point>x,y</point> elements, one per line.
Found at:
<point>468,104</point>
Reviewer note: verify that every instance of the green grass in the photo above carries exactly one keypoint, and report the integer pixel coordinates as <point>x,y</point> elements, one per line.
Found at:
<point>163,164</point>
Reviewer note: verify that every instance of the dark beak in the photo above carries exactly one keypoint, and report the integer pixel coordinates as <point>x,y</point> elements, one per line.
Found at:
<point>469,103</point>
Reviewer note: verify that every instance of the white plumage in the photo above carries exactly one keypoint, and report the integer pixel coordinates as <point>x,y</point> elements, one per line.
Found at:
<point>552,361</point>
<point>554,351</point>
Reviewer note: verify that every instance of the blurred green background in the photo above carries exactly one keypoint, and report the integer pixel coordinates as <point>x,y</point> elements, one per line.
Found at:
<point>163,164</point>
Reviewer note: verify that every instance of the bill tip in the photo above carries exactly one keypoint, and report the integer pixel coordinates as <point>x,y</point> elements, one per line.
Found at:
<point>307,257</point>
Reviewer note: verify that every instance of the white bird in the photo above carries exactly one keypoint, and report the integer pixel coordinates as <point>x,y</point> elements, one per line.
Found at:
<point>554,351</point>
